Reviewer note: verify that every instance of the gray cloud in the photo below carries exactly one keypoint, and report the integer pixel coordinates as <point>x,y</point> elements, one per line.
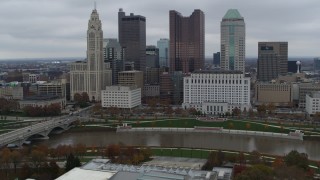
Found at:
<point>46,28</point>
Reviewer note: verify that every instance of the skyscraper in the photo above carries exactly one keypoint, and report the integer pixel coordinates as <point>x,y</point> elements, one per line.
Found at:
<point>233,41</point>
<point>163,46</point>
<point>186,41</point>
<point>132,37</point>
<point>272,60</point>
<point>152,57</point>
<point>114,54</point>
<point>216,59</point>
<point>92,75</point>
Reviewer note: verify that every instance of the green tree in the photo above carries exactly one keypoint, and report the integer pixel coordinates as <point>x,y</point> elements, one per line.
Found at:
<point>300,160</point>
<point>72,162</point>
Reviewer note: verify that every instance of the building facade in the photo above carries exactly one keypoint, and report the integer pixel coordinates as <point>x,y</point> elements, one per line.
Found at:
<point>316,64</point>
<point>151,90</point>
<point>132,37</point>
<point>125,97</point>
<point>92,75</point>
<point>163,46</point>
<point>213,87</point>
<point>131,78</point>
<point>313,103</point>
<point>9,91</point>
<point>232,45</point>
<point>304,89</point>
<point>41,101</point>
<point>272,60</point>
<point>277,93</point>
<point>57,88</point>
<point>152,57</point>
<point>187,41</point>
<point>115,55</point>
<point>216,59</point>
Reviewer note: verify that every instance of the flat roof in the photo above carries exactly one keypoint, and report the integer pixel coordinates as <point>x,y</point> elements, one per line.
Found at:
<point>78,173</point>
<point>220,71</point>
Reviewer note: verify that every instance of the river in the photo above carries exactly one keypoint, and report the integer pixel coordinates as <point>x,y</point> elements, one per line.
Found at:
<point>268,145</point>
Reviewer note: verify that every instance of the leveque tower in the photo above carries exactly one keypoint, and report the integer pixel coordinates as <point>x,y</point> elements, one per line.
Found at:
<point>93,74</point>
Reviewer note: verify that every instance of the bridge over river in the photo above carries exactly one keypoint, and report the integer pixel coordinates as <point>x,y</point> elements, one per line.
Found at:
<point>41,129</point>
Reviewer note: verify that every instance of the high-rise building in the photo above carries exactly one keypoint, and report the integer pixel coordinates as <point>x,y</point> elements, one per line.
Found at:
<point>163,46</point>
<point>132,37</point>
<point>93,75</point>
<point>152,57</point>
<point>186,41</point>
<point>211,88</point>
<point>114,54</point>
<point>233,35</point>
<point>272,60</point>
<point>216,59</point>
<point>316,64</point>
<point>131,78</point>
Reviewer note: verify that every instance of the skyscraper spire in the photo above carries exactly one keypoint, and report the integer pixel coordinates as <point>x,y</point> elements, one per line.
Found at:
<point>95,5</point>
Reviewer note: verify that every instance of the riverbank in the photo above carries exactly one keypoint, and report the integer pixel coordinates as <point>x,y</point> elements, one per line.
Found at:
<point>293,136</point>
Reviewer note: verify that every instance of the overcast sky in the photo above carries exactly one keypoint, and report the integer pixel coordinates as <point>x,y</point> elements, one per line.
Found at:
<point>57,28</point>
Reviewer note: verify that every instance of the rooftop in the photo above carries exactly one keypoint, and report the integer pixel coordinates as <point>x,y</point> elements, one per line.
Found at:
<point>232,14</point>
<point>216,72</point>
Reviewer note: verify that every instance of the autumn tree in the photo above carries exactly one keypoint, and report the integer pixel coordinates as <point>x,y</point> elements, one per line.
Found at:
<point>260,172</point>
<point>262,110</point>
<point>37,158</point>
<point>271,108</point>
<point>236,112</point>
<point>15,158</point>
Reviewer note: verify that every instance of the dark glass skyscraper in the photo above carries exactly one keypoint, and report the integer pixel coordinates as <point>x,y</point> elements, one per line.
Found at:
<point>186,41</point>
<point>132,37</point>
<point>272,60</point>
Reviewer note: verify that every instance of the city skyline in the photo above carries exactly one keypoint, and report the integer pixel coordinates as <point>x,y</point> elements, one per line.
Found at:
<point>57,28</point>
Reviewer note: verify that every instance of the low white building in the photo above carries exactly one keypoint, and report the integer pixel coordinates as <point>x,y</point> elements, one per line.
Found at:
<point>121,96</point>
<point>223,90</point>
<point>313,103</point>
<point>41,101</point>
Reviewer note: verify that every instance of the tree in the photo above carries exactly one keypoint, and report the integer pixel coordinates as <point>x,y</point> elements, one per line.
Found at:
<point>236,112</point>
<point>54,169</point>
<point>262,110</point>
<point>251,113</point>
<point>37,158</point>
<point>72,162</point>
<point>300,160</point>
<point>15,158</point>
<point>271,108</point>
<point>5,159</point>
<point>25,171</point>
<point>260,172</point>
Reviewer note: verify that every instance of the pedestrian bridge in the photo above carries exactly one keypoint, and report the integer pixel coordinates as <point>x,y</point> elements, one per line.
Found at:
<point>40,130</point>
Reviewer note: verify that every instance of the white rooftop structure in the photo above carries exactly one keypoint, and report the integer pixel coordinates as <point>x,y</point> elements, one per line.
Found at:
<point>79,173</point>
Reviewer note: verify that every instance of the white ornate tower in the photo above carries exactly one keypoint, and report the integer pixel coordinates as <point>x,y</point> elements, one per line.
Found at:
<point>94,56</point>
<point>93,75</point>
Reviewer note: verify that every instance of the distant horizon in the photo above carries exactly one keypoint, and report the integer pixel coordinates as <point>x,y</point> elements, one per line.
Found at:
<point>83,58</point>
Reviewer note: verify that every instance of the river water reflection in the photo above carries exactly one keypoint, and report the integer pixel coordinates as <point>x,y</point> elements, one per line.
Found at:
<point>275,146</point>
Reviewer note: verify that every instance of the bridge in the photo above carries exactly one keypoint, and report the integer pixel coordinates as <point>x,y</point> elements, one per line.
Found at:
<point>41,130</point>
